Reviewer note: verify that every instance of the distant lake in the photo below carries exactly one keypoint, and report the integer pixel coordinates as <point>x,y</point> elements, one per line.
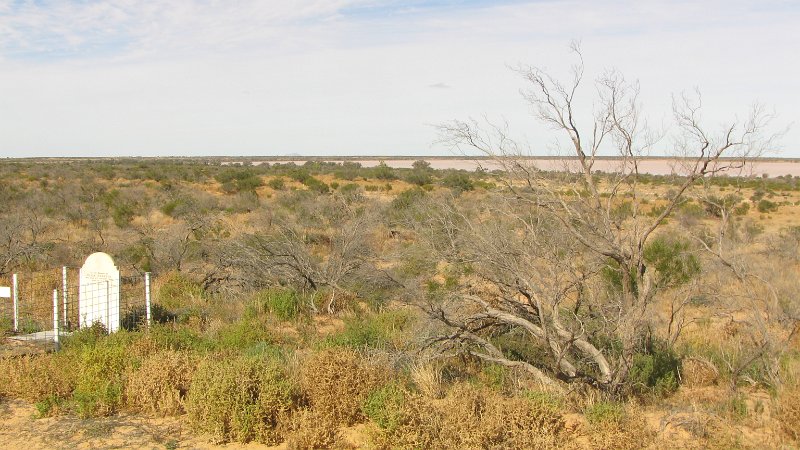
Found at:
<point>654,166</point>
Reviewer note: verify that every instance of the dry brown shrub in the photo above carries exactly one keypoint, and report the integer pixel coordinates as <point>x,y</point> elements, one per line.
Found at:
<point>789,412</point>
<point>241,398</point>
<point>473,418</point>
<point>160,385</point>
<point>337,381</point>
<point>631,432</point>
<point>35,378</point>
<point>310,429</point>
<point>470,417</point>
<point>698,372</point>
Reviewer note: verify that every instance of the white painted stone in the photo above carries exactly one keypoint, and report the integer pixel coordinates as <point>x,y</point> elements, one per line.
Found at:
<point>98,293</point>
<point>5,291</point>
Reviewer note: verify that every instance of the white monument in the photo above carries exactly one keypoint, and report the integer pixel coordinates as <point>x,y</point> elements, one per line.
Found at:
<point>98,294</point>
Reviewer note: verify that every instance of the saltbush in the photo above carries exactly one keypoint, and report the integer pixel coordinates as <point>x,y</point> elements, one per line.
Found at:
<point>337,382</point>
<point>384,405</point>
<point>656,371</point>
<point>240,398</point>
<point>160,385</point>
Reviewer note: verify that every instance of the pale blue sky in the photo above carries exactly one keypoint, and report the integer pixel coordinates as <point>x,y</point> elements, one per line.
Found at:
<point>361,77</point>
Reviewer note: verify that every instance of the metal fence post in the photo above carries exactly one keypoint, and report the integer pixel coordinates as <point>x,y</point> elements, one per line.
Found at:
<point>55,318</point>
<point>15,286</point>
<point>64,292</point>
<point>147,296</point>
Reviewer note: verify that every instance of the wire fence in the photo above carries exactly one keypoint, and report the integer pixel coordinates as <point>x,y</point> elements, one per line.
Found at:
<point>45,305</point>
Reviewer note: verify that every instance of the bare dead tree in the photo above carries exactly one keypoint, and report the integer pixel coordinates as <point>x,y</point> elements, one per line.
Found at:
<point>299,256</point>
<point>21,239</point>
<point>563,231</point>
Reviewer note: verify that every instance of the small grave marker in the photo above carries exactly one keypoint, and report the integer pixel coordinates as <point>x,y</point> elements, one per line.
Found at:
<point>5,291</point>
<point>98,294</point>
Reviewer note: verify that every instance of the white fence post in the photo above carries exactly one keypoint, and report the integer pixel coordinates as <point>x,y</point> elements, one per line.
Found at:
<point>64,292</point>
<point>15,286</point>
<point>108,306</point>
<point>147,296</point>
<point>55,318</point>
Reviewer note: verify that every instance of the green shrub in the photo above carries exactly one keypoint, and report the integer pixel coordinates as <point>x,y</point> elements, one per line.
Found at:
<point>315,185</point>
<point>176,337</point>
<point>494,376</point>
<point>242,334</point>
<point>374,331</point>
<point>656,371</point>
<point>384,406</point>
<point>123,213</point>
<point>277,183</point>
<point>177,290</point>
<point>458,181</point>
<point>419,177</point>
<point>766,206</point>
<point>383,172</point>
<point>101,371</point>
<point>240,398</point>
<point>605,412</point>
<point>236,180</point>
<point>714,205</point>
<point>285,304</point>
<point>407,198</point>
<point>741,209</point>
<point>672,261</point>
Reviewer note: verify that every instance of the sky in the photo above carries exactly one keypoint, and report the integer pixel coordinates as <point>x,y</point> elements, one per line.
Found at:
<point>366,77</point>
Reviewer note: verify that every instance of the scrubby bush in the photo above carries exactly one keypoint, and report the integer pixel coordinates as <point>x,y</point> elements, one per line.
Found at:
<point>240,398</point>
<point>337,382</point>
<point>101,375</point>
<point>655,371</point>
<point>160,385</point>
<point>765,206</point>
<point>383,172</point>
<point>672,260</point>
<point>466,418</point>
<point>458,181</point>
<point>372,331</point>
<point>175,291</point>
<point>384,406</point>
<point>316,185</point>
<point>407,198</point>
<point>285,304</point>
<point>46,378</point>
<point>311,429</point>
<point>236,180</point>
<point>605,412</point>
<point>242,334</point>
<point>277,183</point>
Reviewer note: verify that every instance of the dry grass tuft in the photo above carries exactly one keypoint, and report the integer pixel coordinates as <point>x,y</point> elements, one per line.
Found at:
<point>698,372</point>
<point>789,412</point>
<point>428,379</point>
<point>336,382</point>
<point>160,385</point>
<point>309,429</point>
